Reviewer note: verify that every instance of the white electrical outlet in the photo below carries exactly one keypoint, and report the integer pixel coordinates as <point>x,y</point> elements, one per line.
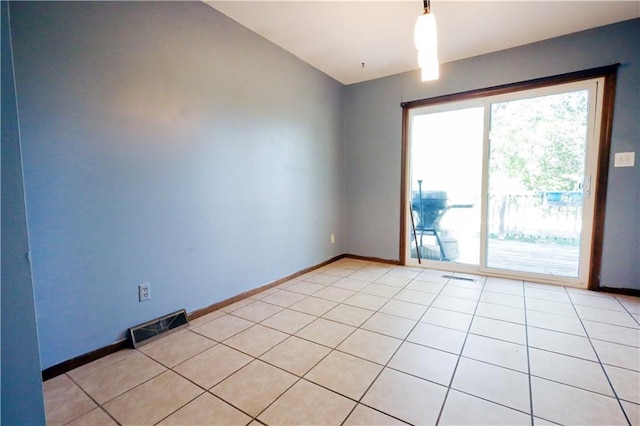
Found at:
<point>624,159</point>
<point>144,292</point>
<point>333,238</point>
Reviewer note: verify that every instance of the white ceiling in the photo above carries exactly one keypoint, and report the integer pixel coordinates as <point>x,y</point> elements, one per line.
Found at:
<point>336,37</point>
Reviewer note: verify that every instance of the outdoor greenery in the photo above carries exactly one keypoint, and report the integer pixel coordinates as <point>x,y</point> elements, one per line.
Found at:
<point>538,144</point>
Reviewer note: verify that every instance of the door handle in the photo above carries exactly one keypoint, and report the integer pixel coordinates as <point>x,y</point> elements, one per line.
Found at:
<point>586,186</point>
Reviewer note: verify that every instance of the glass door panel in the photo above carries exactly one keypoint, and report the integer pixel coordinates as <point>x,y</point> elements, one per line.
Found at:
<point>537,159</point>
<point>446,185</point>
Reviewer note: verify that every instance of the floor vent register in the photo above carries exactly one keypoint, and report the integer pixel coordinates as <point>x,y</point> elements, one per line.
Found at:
<point>156,328</point>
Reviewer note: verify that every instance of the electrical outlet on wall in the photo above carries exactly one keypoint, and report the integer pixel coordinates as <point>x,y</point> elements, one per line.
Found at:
<point>144,292</point>
<point>333,238</point>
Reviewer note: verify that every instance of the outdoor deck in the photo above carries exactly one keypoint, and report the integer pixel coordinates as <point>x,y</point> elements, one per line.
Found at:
<point>536,257</point>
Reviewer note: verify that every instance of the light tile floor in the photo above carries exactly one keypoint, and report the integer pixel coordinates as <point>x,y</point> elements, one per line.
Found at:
<point>363,343</point>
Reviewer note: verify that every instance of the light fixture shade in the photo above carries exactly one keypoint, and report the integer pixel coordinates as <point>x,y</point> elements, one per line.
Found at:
<point>426,39</point>
<point>428,61</point>
<point>426,35</point>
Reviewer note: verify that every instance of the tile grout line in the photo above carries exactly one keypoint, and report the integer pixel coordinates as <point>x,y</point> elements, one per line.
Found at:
<point>99,406</point>
<point>526,337</point>
<point>464,342</point>
<point>394,352</point>
<point>301,377</point>
<point>615,394</point>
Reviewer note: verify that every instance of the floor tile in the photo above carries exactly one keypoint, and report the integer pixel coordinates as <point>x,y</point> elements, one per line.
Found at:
<point>550,307</point>
<point>371,346</point>
<point>173,349</point>
<point>206,318</point>
<point>304,287</point>
<point>381,290</point>
<point>350,315</point>
<point>463,409</point>
<point>350,284</point>
<point>568,405</point>
<point>511,332</point>
<point>447,318</point>
<point>553,294</point>
<point>466,280</point>
<point>633,412</point>
<point>600,302</point>
<point>415,296</point>
<point>325,332</point>
<point>563,343</point>
<point>498,352</point>
<point>296,355</point>
<point>388,336</point>
<point>427,363</point>
<point>569,370</point>
<point>555,322</point>
<point>345,374</point>
<point>339,272</point>
<point>64,400</point>
<point>256,340</point>
<point>461,293</point>
<point>365,416</point>
<point>425,286</point>
<point>607,316</point>
<point>118,378</point>
<point>95,417</point>
<point>213,365</point>
<point>455,304</point>
<point>256,311</point>
<point>288,321</point>
<point>613,333</point>
<point>284,298</point>
<point>625,382</point>
<point>153,400</point>
<point>504,286</point>
<point>99,364</point>
<point>630,303</point>
<point>254,387</point>
<point>207,410</point>
<point>376,268</point>
<point>503,299</point>
<point>398,282</point>
<point>299,406</point>
<point>365,276</point>
<point>224,327</point>
<point>433,276</point>
<point>334,294</point>
<point>497,384</point>
<point>504,313</point>
<point>437,337</point>
<point>618,355</point>
<point>313,306</point>
<point>403,309</point>
<point>404,272</point>
<point>389,325</point>
<point>325,279</point>
<point>244,302</point>
<point>366,301</point>
<point>408,398</point>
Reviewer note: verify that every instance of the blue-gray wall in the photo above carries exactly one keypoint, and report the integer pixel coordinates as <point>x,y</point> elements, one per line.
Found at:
<point>164,143</point>
<point>373,131</point>
<point>21,390</point>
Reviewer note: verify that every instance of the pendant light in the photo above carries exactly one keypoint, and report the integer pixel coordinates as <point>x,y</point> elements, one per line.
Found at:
<point>426,38</point>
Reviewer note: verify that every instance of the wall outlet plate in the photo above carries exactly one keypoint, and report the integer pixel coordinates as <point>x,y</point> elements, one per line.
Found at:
<point>144,292</point>
<point>624,159</point>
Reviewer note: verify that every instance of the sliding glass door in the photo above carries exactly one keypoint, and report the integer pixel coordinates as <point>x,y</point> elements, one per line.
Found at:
<point>503,184</point>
